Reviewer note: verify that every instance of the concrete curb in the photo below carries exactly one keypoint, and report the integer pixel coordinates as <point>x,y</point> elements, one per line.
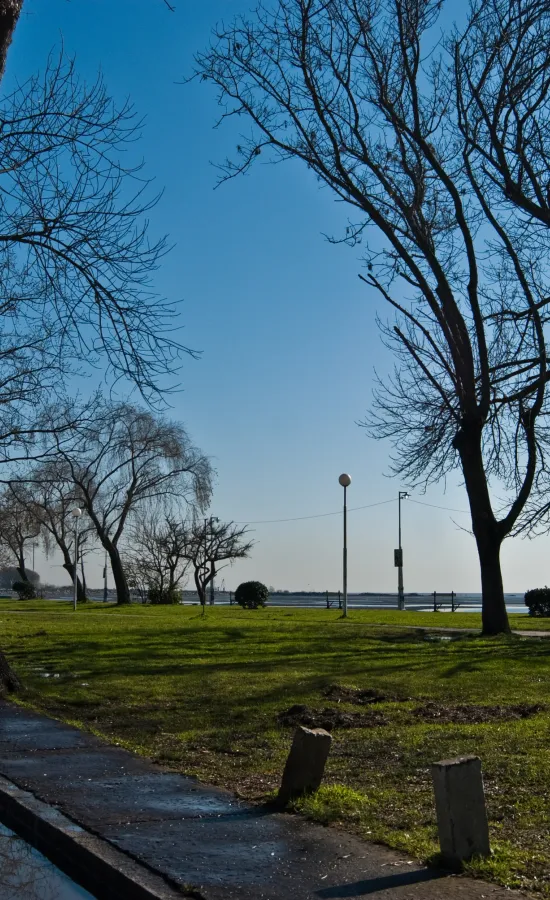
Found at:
<point>94,864</point>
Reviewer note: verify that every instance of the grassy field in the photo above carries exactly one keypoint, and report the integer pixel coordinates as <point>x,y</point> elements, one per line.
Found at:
<point>204,695</point>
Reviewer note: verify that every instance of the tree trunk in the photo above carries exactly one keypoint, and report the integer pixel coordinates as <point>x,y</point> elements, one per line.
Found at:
<point>8,679</point>
<point>21,567</point>
<point>493,611</point>
<point>121,585</point>
<point>201,589</point>
<point>485,527</point>
<point>80,593</point>
<point>10,10</point>
<point>84,588</point>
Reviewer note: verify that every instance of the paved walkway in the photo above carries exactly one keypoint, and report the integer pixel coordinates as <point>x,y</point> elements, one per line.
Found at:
<point>202,837</point>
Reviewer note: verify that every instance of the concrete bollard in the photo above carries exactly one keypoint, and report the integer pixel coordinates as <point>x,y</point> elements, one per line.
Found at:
<point>305,765</point>
<point>460,806</point>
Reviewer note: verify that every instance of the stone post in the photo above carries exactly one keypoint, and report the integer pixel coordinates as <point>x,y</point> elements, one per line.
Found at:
<point>460,806</point>
<point>305,765</point>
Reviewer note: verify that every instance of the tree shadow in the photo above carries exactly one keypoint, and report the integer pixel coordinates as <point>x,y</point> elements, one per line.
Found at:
<point>381,883</point>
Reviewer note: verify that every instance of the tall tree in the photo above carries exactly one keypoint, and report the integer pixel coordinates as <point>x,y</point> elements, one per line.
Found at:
<point>75,257</point>
<point>399,124</point>
<point>123,460</point>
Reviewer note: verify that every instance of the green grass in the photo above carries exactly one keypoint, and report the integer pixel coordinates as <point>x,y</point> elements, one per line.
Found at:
<point>202,695</point>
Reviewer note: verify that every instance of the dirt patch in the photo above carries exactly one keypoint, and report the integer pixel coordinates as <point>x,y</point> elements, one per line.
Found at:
<point>466,714</point>
<point>361,697</point>
<point>329,718</point>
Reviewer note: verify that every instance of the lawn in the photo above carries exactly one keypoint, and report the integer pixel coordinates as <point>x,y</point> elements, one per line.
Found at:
<point>203,695</point>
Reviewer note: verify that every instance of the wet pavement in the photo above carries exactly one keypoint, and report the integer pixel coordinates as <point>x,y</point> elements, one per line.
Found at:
<point>204,838</point>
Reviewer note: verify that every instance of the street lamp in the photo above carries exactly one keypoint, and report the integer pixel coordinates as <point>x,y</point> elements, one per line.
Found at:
<point>76,513</point>
<point>345,481</point>
<point>398,557</point>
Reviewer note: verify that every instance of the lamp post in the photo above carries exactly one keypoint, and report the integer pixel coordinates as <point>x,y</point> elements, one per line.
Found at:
<point>76,513</point>
<point>345,481</point>
<point>399,558</point>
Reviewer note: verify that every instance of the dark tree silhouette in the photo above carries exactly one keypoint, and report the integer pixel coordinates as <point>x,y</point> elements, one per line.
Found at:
<point>48,496</point>
<point>19,527</point>
<point>438,145</point>
<point>154,559</point>
<point>209,543</point>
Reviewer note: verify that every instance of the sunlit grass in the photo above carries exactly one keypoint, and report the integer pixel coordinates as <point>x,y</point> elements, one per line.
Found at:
<point>203,695</point>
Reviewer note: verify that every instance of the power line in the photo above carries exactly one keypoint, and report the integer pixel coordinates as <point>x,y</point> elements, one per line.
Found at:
<point>319,516</point>
<point>433,506</point>
<point>351,509</point>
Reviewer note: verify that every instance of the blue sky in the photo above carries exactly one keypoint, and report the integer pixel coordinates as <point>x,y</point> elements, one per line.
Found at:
<point>286,329</point>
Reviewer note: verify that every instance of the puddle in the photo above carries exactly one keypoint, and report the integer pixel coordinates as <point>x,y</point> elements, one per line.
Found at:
<point>27,875</point>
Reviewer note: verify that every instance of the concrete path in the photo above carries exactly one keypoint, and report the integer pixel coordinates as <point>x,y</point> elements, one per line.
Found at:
<point>203,838</point>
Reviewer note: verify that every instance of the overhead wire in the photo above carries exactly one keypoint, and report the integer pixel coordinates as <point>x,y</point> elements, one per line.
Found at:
<point>350,509</point>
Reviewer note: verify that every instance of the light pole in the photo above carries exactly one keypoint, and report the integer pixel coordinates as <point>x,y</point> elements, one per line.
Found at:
<point>345,481</point>
<point>399,558</point>
<point>76,513</point>
<point>34,545</point>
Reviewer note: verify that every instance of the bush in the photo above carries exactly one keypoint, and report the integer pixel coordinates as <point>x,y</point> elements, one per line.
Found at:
<point>25,590</point>
<point>252,594</point>
<point>164,598</point>
<point>538,601</point>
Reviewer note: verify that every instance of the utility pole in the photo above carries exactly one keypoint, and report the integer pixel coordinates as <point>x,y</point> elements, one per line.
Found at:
<point>398,557</point>
<point>345,481</point>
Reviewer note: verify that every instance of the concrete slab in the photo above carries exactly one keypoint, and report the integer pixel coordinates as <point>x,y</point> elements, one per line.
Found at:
<point>141,798</point>
<point>204,837</point>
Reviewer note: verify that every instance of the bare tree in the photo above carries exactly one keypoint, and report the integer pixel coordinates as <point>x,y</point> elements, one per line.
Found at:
<point>47,495</point>
<point>209,543</point>
<point>400,126</point>
<point>125,459</point>
<point>76,260</point>
<point>75,256</point>
<point>154,560</point>
<point>19,528</point>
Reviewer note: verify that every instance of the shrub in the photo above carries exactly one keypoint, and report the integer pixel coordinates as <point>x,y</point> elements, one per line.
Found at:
<point>164,598</point>
<point>538,601</point>
<point>24,589</point>
<point>252,594</point>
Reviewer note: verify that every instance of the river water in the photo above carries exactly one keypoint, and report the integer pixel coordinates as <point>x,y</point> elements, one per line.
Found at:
<point>418,602</point>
